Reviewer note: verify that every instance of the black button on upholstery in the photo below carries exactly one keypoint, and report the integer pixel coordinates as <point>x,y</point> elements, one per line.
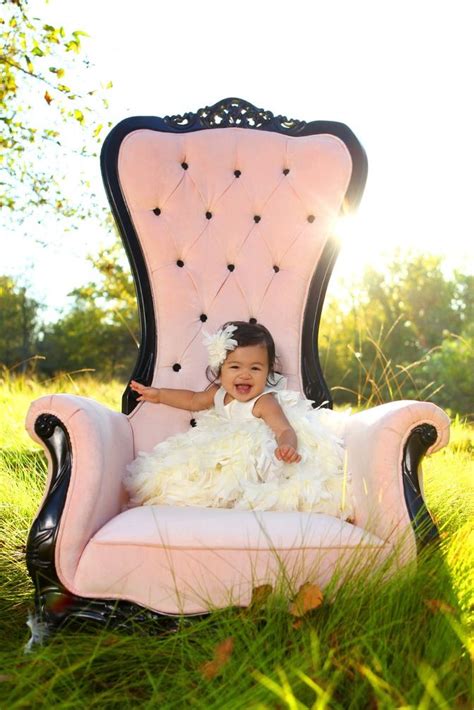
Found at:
<point>209,215</point>
<point>252,320</point>
<point>257,218</point>
<point>203,317</point>
<point>231,267</point>
<point>176,367</point>
<point>185,166</point>
<point>180,263</point>
<point>157,211</point>
<point>286,171</point>
<point>193,422</point>
<point>311,218</point>
<point>237,173</point>
<point>276,269</point>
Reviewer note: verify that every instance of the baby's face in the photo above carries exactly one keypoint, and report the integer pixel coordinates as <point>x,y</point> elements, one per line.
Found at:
<point>244,372</point>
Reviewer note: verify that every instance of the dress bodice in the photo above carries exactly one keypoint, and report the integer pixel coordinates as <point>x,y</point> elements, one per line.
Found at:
<point>236,410</point>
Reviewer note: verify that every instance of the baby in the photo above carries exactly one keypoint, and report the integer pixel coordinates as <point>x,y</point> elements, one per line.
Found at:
<point>244,368</point>
<point>256,445</point>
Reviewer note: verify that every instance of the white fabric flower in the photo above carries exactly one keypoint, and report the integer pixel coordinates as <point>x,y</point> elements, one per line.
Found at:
<point>218,344</point>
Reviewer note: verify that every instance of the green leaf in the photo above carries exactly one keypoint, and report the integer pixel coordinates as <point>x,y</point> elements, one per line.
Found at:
<point>72,46</point>
<point>78,115</point>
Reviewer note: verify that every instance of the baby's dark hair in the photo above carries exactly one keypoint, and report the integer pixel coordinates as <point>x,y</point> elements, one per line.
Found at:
<point>251,334</point>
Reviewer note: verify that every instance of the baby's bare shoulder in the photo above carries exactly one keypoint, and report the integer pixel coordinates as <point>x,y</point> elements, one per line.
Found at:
<point>265,404</point>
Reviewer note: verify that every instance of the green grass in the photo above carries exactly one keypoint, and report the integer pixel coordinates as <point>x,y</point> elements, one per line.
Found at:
<point>17,393</point>
<point>403,643</point>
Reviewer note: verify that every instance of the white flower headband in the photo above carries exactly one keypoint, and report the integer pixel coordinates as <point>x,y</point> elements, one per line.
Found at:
<point>218,344</point>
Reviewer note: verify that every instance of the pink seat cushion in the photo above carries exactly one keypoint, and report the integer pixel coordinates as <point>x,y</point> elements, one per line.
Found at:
<point>190,560</point>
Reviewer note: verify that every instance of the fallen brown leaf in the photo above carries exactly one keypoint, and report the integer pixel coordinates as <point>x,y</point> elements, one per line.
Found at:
<point>309,597</point>
<point>259,599</point>
<point>111,640</point>
<point>439,605</point>
<point>60,603</point>
<point>222,654</point>
<point>259,596</point>
<point>47,97</point>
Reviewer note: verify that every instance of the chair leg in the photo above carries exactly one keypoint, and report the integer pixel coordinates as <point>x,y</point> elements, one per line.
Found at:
<point>56,607</point>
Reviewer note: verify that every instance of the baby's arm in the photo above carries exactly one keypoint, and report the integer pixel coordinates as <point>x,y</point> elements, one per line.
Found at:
<point>268,409</point>
<point>182,399</point>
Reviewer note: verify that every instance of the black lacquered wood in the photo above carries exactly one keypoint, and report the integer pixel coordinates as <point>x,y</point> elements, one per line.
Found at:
<point>419,441</point>
<point>41,541</point>
<point>228,113</point>
<point>57,607</point>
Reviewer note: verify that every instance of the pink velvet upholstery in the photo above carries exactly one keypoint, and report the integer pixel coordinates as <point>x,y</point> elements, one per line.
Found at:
<point>150,166</point>
<point>375,440</point>
<point>102,445</point>
<point>190,559</point>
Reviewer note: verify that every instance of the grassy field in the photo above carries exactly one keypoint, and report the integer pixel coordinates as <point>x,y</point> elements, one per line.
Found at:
<point>399,644</point>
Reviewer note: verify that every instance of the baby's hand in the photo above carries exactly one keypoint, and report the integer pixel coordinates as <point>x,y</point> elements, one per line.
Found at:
<point>288,454</point>
<point>146,394</point>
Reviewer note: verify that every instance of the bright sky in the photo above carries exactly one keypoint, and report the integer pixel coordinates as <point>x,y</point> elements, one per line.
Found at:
<point>398,73</point>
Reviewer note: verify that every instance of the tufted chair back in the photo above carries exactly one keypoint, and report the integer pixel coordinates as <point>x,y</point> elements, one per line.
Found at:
<point>227,214</point>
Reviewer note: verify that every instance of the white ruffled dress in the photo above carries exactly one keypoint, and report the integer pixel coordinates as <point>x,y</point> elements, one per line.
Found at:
<point>227,461</point>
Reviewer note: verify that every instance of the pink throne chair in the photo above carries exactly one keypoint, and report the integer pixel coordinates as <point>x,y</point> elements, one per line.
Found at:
<point>226,213</point>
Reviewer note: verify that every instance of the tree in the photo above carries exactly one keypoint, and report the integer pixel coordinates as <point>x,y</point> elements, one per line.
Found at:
<point>414,291</point>
<point>376,342</point>
<point>38,106</point>
<point>83,339</point>
<point>464,298</point>
<point>451,368</point>
<point>101,330</point>
<point>18,324</point>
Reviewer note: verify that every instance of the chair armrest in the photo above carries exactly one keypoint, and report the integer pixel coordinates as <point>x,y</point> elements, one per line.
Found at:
<point>99,445</point>
<point>375,441</point>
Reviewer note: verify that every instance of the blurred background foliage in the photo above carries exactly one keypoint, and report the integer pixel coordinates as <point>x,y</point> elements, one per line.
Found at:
<point>404,332</point>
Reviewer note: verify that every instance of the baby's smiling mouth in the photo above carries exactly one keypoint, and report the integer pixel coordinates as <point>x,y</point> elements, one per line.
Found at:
<point>243,389</point>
